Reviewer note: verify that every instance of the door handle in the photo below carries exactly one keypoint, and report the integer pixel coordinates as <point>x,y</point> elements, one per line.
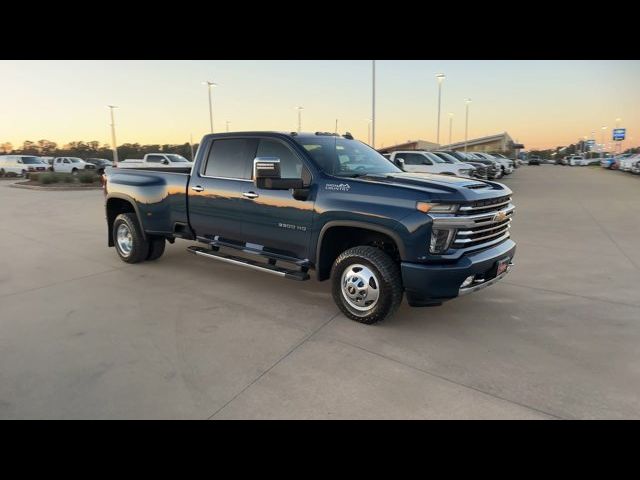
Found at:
<point>197,188</point>
<point>250,195</point>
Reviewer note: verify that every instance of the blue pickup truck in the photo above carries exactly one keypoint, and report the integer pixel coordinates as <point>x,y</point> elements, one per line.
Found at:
<point>291,203</point>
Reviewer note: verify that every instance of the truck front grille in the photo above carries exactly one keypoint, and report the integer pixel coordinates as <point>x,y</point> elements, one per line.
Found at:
<point>479,225</point>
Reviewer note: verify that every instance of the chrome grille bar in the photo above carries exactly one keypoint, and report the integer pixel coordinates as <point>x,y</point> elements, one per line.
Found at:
<point>484,207</point>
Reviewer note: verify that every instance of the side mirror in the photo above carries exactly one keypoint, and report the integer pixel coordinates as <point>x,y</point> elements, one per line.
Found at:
<point>165,161</point>
<point>400,163</point>
<point>266,175</point>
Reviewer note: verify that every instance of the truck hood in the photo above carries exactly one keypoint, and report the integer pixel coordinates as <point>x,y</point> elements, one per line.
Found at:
<point>441,187</point>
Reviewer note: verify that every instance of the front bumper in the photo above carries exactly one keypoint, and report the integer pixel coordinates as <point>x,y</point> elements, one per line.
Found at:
<point>427,284</point>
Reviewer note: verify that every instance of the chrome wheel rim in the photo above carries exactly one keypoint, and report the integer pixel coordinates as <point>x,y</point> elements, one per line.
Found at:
<point>124,239</point>
<point>360,287</point>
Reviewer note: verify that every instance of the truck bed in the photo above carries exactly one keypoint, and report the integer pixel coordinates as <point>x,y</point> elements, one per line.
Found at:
<point>159,194</point>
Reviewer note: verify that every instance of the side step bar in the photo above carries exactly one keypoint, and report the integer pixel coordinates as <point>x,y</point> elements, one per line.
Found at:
<point>217,243</point>
<point>243,262</point>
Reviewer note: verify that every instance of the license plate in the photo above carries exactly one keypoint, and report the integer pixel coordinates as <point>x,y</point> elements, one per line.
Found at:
<point>502,266</point>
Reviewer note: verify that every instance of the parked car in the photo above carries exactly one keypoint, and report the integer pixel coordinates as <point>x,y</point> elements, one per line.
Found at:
<point>48,161</point>
<point>512,162</point>
<point>100,164</point>
<point>535,160</point>
<point>420,161</point>
<point>155,160</point>
<point>479,169</point>
<point>635,164</point>
<point>505,164</point>
<point>611,162</point>
<point>625,163</point>
<point>576,161</point>
<point>319,202</point>
<point>20,164</point>
<point>494,169</point>
<point>73,165</point>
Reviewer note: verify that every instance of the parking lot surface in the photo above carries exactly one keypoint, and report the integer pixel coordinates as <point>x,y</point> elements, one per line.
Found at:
<point>84,335</point>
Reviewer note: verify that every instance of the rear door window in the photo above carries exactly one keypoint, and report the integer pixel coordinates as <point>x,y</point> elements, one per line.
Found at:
<point>231,158</point>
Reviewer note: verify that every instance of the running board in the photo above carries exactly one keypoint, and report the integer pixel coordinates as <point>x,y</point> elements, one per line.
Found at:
<point>257,250</point>
<point>243,262</point>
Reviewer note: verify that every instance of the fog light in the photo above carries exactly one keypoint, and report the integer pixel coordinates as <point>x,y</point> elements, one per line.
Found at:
<point>440,240</point>
<point>468,281</point>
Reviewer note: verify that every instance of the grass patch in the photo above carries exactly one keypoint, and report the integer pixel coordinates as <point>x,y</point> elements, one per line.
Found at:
<point>87,177</point>
<point>48,178</point>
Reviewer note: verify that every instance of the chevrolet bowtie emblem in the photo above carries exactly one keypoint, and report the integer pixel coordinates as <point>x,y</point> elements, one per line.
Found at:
<point>499,217</point>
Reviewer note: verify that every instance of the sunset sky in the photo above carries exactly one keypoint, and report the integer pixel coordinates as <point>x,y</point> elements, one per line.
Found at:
<point>539,103</point>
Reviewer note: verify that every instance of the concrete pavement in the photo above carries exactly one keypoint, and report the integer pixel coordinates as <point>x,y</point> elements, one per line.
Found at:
<point>84,335</point>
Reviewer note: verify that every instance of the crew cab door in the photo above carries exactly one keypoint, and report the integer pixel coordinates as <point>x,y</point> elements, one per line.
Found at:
<point>274,219</point>
<point>62,165</point>
<point>216,206</point>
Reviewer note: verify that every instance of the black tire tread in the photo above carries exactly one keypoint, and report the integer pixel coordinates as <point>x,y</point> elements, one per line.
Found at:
<point>391,277</point>
<point>156,248</point>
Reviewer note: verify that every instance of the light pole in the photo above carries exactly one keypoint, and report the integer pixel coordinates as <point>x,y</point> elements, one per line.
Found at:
<point>209,85</point>
<point>113,136</point>
<point>373,104</point>
<point>299,118</point>
<point>336,126</point>
<point>466,123</point>
<point>368,131</point>
<point>191,145</point>
<point>227,123</point>
<point>440,77</point>
<point>602,149</point>
<point>450,126</point>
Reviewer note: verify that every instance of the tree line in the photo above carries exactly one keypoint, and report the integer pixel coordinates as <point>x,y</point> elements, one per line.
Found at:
<point>93,149</point>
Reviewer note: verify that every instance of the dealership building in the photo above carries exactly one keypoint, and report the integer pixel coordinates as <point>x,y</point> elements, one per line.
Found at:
<point>501,143</point>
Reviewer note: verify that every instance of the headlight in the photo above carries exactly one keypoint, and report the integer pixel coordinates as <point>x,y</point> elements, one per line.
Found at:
<point>440,240</point>
<point>437,207</point>
<point>466,171</point>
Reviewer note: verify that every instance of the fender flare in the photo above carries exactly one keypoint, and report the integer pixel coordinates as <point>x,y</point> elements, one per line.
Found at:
<point>358,224</point>
<point>128,199</point>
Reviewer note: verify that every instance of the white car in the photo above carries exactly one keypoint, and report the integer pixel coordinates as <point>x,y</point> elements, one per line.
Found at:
<point>635,164</point>
<point>626,163</point>
<point>419,161</point>
<point>73,165</point>
<point>504,162</point>
<point>20,164</point>
<point>576,161</point>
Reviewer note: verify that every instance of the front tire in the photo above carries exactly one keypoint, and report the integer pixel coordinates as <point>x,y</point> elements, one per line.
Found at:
<point>128,239</point>
<point>366,284</point>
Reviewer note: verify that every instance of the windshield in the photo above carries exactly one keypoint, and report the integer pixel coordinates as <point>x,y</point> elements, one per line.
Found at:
<point>435,158</point>
<point>31,160</point>
<point>345,158</point>
<point>176,158</point>
<point>448,158</point>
